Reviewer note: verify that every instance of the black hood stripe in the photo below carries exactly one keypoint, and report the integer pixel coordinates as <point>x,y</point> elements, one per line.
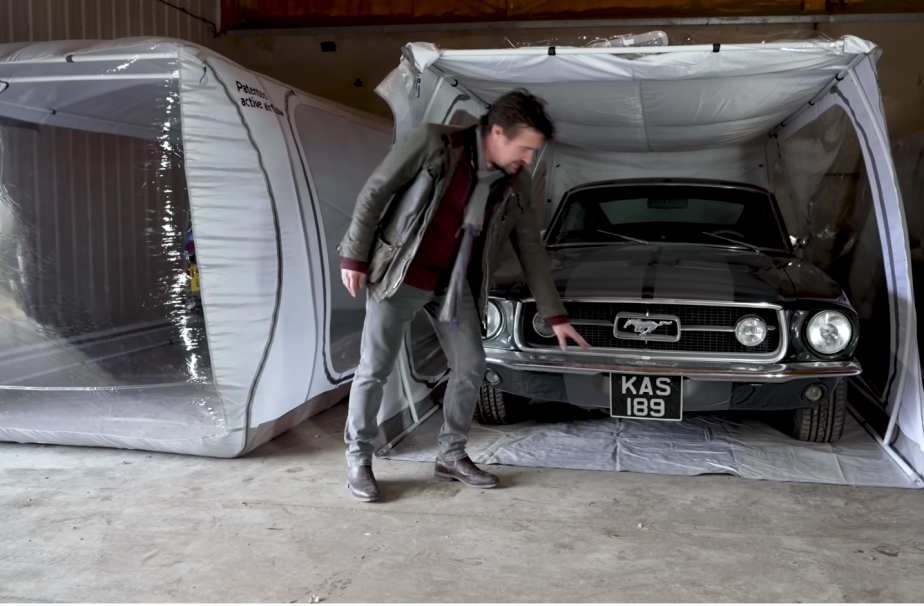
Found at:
<point>651,274</point>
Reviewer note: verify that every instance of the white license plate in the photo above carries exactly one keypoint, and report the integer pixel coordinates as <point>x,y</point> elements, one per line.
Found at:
<point>646,397</point>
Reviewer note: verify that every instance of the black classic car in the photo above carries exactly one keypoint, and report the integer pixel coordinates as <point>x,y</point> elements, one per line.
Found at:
<point>694,299</point>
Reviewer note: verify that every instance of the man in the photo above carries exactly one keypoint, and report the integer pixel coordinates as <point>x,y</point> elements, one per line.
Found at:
<point>426,234</point>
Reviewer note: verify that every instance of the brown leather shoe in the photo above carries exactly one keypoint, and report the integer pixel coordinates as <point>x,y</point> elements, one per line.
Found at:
<point>466,472</point>
<point>362,484</point>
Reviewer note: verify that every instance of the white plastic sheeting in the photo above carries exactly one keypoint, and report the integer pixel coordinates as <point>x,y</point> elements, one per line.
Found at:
<point>717,111</point>
<point>110,152</point>
<point>659,102</point>
<point>744,447</point>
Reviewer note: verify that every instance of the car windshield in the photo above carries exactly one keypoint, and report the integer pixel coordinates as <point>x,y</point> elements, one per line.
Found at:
<point>716,216</point>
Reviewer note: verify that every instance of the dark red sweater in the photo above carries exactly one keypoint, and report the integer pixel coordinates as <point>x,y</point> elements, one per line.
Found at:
<point>437,250</point>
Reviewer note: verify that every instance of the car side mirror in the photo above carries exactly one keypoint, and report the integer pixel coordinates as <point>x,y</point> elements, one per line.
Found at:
<point>799,243</point>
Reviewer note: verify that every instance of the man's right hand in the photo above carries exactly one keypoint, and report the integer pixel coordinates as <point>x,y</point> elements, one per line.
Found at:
<point>353,280</point>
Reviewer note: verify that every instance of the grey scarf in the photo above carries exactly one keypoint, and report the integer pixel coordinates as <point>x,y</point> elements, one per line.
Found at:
<point>472,224</point>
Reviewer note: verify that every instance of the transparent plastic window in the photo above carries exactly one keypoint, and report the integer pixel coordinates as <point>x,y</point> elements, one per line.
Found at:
<point>823,186</point>
<point>101,326</point>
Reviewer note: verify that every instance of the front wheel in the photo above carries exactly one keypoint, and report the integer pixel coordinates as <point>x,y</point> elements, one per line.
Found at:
<point>823,423</point>
<point>495,407</point>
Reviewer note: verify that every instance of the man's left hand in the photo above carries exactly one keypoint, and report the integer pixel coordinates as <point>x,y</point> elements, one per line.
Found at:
<point>565,332</point>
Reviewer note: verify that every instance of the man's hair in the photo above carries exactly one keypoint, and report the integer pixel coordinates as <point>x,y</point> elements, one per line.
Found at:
<point>516,110</point>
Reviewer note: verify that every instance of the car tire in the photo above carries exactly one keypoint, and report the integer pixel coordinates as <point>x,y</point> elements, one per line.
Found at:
<point>823,423</point>
<point>495,407</point>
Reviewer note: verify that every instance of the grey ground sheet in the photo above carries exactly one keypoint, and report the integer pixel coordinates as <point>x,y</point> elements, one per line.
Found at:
<point>698,445</point>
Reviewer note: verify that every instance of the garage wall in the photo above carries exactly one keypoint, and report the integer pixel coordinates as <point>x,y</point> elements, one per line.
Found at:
<point>42,20</point>
<point>361,61</point>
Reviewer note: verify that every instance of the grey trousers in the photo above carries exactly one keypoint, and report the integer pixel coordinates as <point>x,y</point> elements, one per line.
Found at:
<point>383,336</point>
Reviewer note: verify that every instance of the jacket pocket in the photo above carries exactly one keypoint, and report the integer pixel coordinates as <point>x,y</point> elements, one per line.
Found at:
<point>381,261</point>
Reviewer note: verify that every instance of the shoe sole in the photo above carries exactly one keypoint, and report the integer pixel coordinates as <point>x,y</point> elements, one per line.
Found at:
<point>445,477</point>
<point>362,499</point>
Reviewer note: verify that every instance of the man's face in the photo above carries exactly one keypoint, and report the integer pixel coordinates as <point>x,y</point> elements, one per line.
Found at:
<point>511,154</point>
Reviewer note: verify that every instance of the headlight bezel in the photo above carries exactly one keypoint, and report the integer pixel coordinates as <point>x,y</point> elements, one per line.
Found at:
<point>501,320</point>
<point>849,343</point>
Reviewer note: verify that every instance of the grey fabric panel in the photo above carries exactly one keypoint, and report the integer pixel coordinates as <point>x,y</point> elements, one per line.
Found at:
<point>699,445</point>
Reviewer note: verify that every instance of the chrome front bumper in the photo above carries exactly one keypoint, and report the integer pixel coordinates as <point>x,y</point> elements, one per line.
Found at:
<point>702,371</point>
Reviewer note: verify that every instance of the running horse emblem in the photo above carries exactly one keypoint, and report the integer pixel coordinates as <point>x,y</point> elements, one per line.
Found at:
<point>646,327</point>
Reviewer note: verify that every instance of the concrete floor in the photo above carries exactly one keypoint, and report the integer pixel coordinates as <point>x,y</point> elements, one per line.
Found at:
<point>84,525</point>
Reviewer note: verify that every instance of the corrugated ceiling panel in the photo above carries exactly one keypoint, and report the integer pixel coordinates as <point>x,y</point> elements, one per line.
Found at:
<point>44,20</point>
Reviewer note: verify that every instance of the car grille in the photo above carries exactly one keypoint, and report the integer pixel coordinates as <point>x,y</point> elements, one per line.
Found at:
<point>695,324</point>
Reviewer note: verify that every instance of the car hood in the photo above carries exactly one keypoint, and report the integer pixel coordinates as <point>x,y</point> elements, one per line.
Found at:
<point>675,271</point>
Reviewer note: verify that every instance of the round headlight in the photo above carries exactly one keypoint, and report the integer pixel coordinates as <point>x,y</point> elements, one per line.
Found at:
<point>494,320</point>
<point>542,329</point>
<point>751,331</point>
<point>829,332</point>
